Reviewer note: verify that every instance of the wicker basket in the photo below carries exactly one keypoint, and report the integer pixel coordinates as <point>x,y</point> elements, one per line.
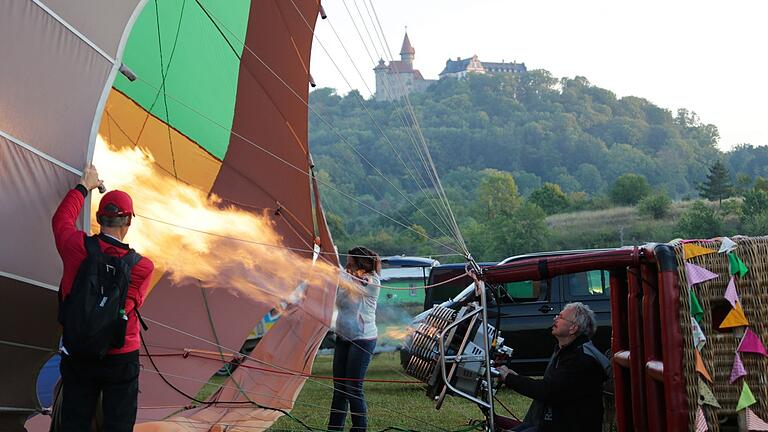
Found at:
<point>718,353</point>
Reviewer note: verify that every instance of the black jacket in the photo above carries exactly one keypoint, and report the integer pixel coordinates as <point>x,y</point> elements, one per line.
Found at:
<point>570,396</point>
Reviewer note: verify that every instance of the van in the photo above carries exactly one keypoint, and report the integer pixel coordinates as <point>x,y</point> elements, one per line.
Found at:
<point>524,311</point>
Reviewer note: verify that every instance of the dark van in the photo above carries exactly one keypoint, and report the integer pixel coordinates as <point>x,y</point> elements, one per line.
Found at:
<point>525,310</point>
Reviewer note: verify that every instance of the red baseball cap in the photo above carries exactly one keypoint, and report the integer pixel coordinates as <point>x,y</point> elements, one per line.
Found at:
<point>119,199</point>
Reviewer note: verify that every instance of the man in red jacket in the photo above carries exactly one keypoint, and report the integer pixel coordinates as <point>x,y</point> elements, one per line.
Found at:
<point>116,375</point>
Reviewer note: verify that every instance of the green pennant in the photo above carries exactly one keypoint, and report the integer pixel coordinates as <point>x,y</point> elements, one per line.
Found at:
<point>706,397</point>
<point>697,312</point>
<point>746,399</point>
<point>736,265</point>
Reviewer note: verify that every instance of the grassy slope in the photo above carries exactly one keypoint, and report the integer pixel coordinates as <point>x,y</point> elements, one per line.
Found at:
<point>617,226</point>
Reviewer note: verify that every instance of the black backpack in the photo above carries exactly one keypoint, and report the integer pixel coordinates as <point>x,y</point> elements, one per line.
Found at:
<point>93,314</point>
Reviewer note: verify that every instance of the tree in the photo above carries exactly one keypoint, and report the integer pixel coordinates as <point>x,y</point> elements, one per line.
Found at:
<point>700,221</point>
<point>497,194</point>
<point>718,183</point>
<point>656,205</point>
<point>629,189</point>
<point>550,198</point>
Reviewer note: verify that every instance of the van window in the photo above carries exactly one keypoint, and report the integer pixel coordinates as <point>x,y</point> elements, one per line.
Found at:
<point>588,284</point>
<point>522,292</point>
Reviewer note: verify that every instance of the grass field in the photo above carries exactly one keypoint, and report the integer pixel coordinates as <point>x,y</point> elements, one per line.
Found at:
<point>404,406</point>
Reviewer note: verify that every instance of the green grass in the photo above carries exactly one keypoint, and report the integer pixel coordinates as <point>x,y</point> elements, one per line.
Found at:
<point>403,406</point>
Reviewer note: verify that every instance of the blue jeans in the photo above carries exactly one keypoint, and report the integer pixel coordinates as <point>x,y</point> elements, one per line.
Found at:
<point>350,360</point>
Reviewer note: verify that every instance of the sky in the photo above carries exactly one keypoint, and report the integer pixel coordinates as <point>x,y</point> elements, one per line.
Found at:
<point>710,57</point>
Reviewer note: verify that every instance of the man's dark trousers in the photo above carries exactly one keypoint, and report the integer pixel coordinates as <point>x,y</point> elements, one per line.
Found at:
<point>115,377</point>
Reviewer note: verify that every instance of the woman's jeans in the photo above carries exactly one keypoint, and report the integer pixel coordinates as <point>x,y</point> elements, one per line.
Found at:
<point>350,360</point>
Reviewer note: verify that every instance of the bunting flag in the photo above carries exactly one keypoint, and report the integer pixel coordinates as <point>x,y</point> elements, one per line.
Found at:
<point>697,274</point>
<point>736,265</point>
<point>746,398</point>
<point>699,340</point>
<point>697,312</point>
<point>700,368</point>
<point>727,245</point>
<point>735,318</point>
<point>730,293</point>
<point>706,397</point>
<point>701,421</point>
<point>691,250</point>
<point>737,371</point>
<point>751,343</point>
<point>754,423</point>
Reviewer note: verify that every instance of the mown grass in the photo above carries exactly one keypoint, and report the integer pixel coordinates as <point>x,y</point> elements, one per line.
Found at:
<point>404,406</point>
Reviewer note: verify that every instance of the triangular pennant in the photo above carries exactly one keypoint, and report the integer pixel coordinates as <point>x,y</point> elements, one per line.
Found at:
<point>755,423</point>
<point>697,274</point>
<point>746,398</point>
<point>700,368</point>
<point>705,395</point>
<point>735,318</point>
<point>701,421</point>
<point>699,340</point>
<point>737,371</point>
<point>730,293</point>
<point>727,245</point>
<point>691,250</point>
<point>697,312</point>
<point>736,265</point>
<point>751,343</point>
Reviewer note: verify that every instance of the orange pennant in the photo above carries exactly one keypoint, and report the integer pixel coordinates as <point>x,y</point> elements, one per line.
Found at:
<point>735,318</point>
<point>691,250</point>
<point>700,368</point>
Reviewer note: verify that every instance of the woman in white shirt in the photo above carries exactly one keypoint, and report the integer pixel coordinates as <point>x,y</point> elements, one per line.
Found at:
<point>355,338</point>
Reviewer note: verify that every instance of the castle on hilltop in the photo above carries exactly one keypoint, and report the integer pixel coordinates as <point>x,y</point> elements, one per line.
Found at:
<point>399,78</point>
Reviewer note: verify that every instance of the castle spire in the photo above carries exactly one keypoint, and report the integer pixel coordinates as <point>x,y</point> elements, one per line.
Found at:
<point>407,52</point>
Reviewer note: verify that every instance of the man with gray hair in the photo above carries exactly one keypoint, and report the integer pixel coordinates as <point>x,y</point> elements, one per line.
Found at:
<point>570,395</point>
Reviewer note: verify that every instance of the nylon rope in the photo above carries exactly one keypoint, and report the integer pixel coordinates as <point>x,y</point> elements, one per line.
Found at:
<point>398,104</point>
<point>424,144</point>
<point>413,124</point>
<point>373,120</point>
<point>306,103</point>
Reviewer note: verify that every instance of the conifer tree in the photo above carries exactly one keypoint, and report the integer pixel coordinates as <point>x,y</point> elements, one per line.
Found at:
<point>718,183</point>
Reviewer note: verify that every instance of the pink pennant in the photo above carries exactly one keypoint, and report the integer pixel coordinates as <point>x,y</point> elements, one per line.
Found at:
<point>697,274</point>
<point>730,293</point>
<point>751,343</point>
<point>755,423</point>
<point>738,370</point>
<point>701,422</point>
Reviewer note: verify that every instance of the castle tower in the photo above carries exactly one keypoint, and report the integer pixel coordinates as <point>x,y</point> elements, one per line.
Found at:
<point>407,53</point>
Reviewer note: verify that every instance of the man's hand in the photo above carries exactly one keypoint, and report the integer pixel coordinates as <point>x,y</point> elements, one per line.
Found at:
<point>90,179</point>
<point>504,371</point>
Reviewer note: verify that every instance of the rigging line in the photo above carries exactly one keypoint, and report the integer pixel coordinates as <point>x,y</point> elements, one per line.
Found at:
<point>385,82</point>
<point>282,207</point>
<point>306,103</point>
<point>211,403</point>
<point>435,179</point>
<point>165,73</point>
<point>293,249</point>
<point>403,90</point>
<point>213,21</point>
<point>414,123</point>
<point>362,104</point>
<point>322,384</point>
<point>429,156</point>
<point>305,173</point>
<point>378,126</point>
<point>387,88</point>
<point>162,86</point>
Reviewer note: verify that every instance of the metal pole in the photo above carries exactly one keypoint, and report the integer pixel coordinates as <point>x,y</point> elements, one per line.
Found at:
<point>487,346</point>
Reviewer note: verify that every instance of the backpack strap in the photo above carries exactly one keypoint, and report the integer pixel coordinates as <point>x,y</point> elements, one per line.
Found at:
<point>131,259</point>
<point>92,246</point>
